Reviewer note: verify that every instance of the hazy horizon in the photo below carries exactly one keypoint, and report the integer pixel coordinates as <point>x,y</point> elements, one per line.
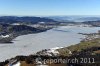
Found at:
<point>52,15</point>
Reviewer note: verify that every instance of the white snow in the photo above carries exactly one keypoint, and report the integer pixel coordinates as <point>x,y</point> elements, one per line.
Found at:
<point>17,64</point>
<point>54,50</point>
<point>4,36</point>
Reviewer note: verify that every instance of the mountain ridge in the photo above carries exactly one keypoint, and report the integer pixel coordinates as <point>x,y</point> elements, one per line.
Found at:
<point>15,19</point>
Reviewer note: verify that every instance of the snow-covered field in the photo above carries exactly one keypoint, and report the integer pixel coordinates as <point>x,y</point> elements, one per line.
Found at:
<point>57,37</point>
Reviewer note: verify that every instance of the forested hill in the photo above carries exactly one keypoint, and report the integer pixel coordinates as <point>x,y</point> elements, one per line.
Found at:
<point>94,23</point>
<point>15,19</point>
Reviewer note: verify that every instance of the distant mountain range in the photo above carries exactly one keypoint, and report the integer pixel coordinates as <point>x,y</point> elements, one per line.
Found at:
<point>15,19</point>
<point>32,19</point>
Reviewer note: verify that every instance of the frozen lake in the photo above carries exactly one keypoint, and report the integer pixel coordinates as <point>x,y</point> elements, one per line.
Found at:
<point>57,37</point>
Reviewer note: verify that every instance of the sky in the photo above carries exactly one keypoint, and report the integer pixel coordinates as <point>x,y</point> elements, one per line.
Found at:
<point>49,7</point>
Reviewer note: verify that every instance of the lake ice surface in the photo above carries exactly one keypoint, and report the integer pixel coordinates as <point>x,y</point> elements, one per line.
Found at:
<point>31,43</point>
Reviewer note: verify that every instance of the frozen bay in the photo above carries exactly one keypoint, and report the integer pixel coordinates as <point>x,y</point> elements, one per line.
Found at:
<point>56,37</point>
